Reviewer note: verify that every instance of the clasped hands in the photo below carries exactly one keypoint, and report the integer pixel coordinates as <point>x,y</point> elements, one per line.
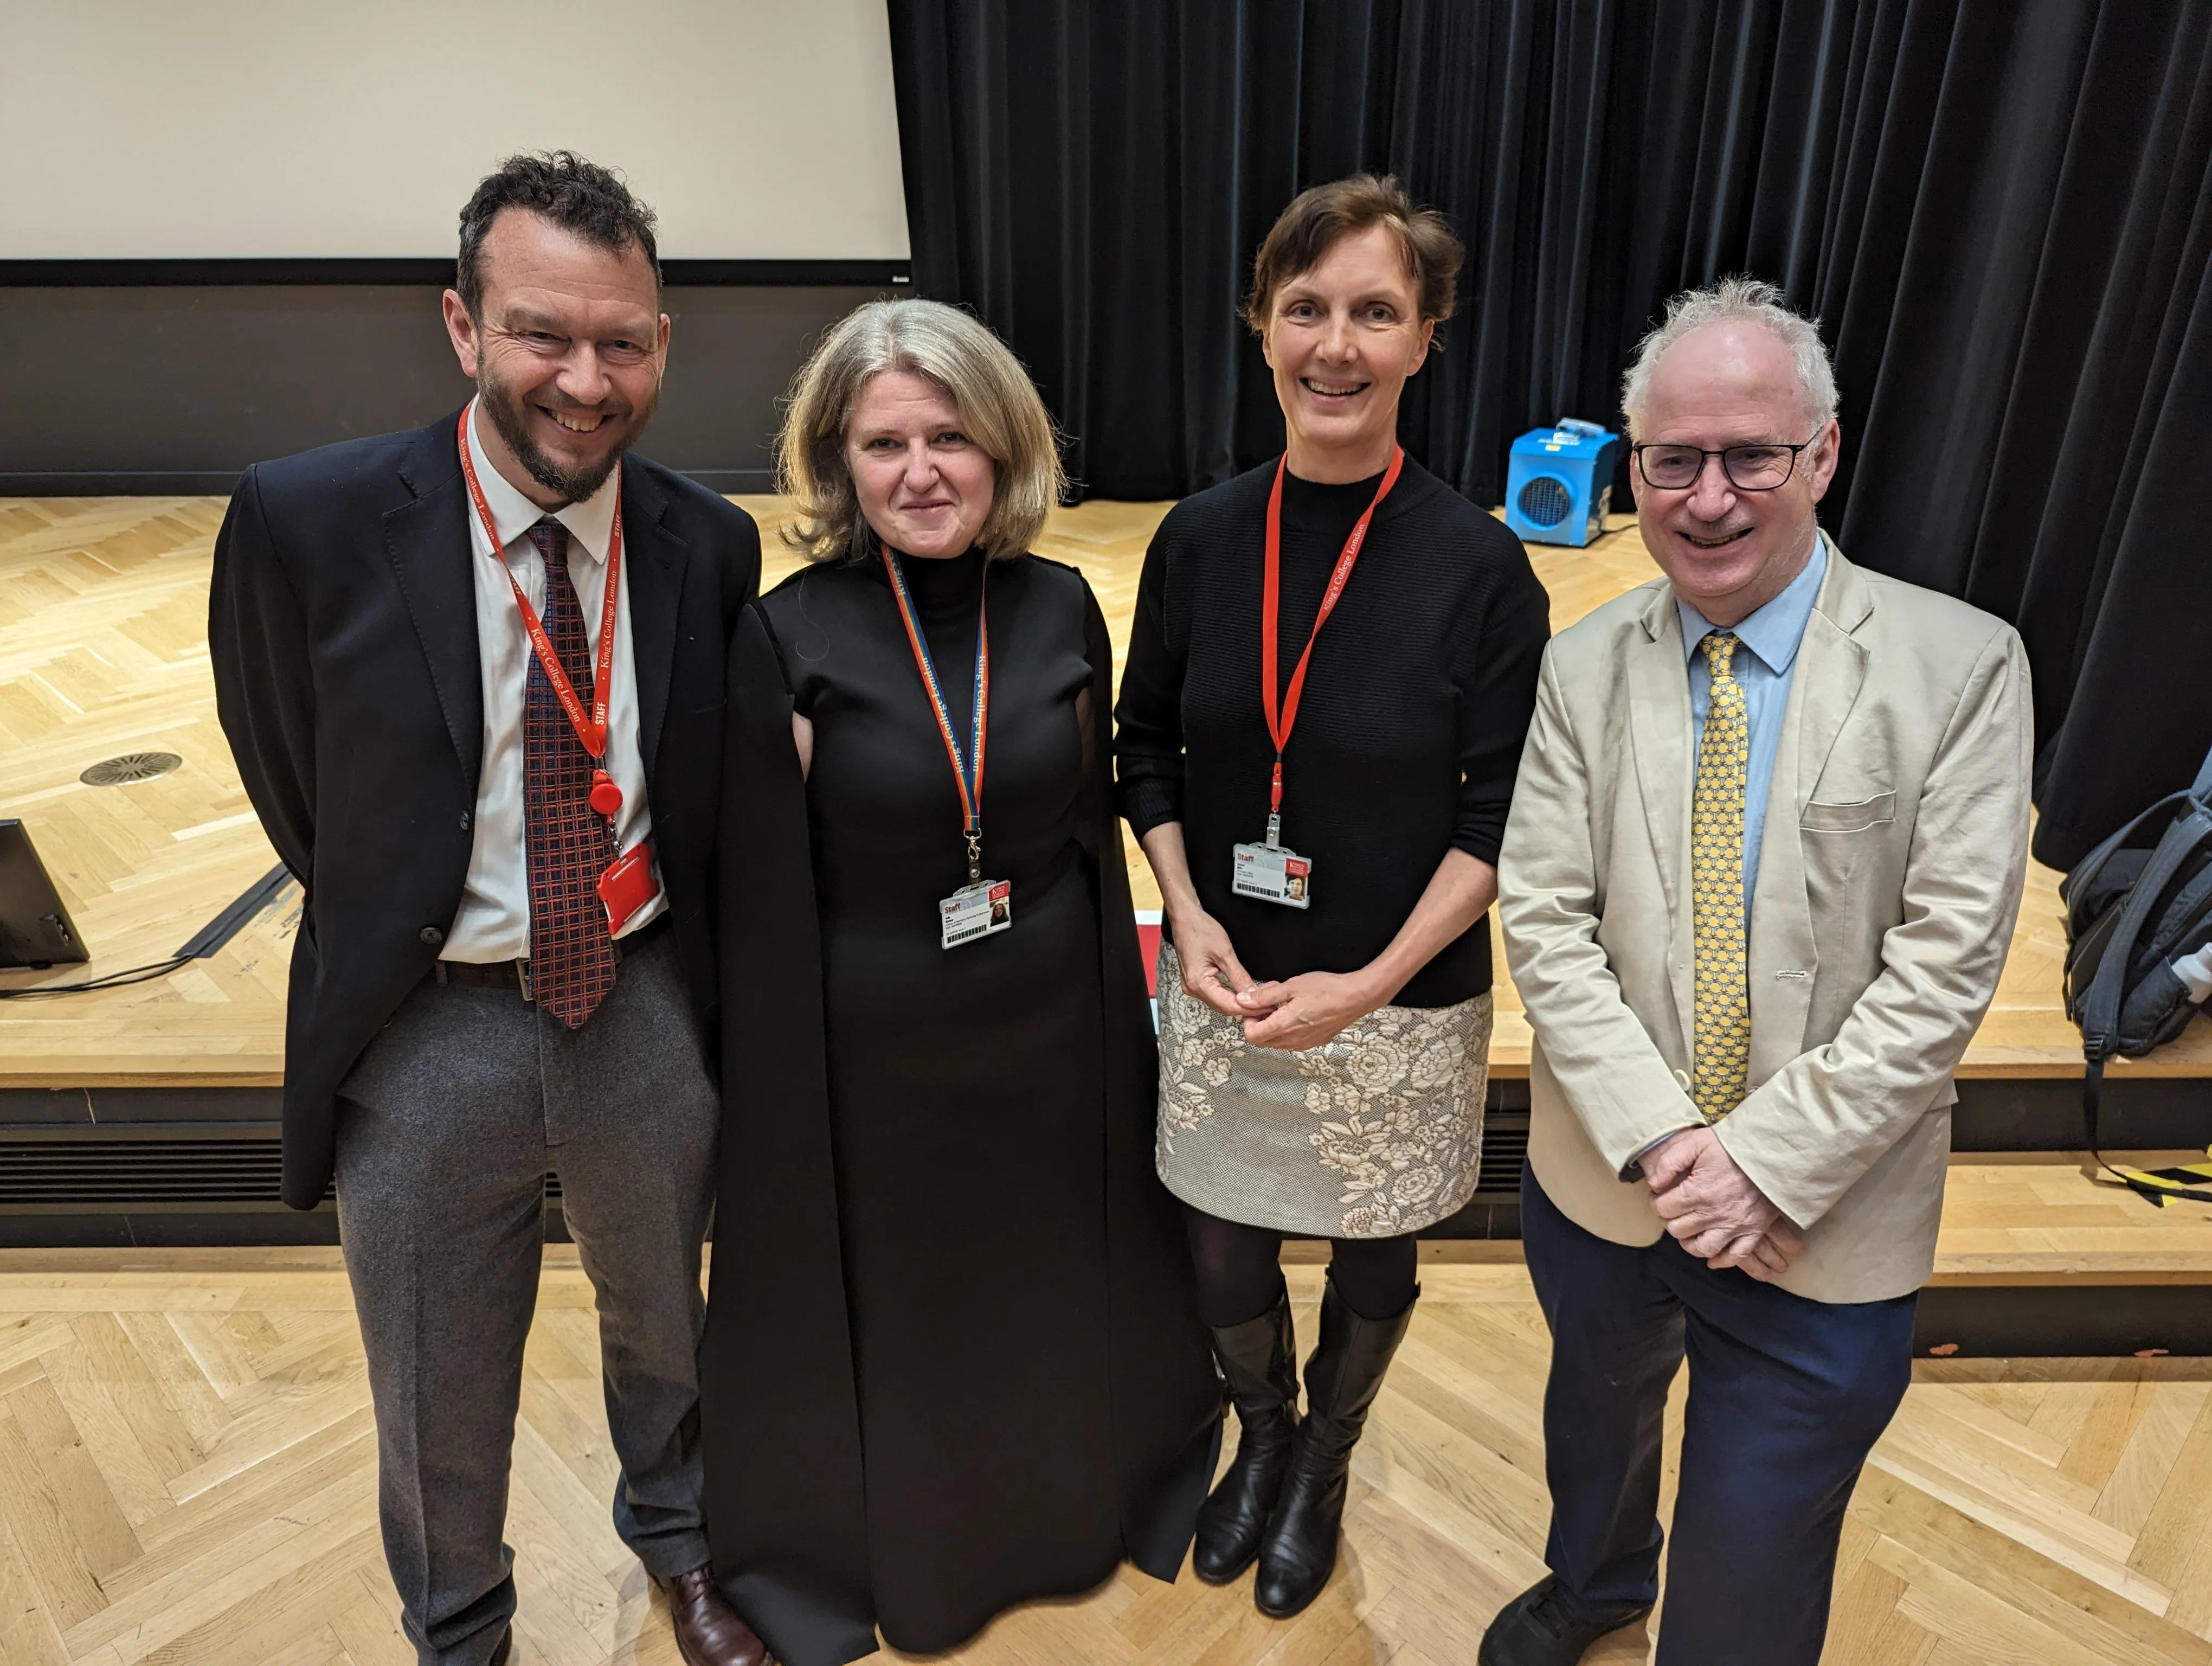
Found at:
<point>1293,1012</point>
<point>1710,1204</point>
<point>1712,1208</point>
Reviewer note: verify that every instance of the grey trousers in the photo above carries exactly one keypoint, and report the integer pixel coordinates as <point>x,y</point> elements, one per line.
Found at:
<point>446,1129</point>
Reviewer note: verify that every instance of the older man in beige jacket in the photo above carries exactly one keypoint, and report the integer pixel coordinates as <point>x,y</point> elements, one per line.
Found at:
<point>1763,863</point>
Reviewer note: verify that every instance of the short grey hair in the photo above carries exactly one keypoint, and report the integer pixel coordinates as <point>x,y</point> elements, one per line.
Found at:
<point>1736,299</point>
<point>998,406</point>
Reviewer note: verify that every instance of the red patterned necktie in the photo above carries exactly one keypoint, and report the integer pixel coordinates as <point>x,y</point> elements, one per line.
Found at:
<point>572,954</point>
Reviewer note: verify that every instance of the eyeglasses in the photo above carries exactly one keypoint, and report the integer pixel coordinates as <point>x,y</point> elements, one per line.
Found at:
<point>1748,468</point>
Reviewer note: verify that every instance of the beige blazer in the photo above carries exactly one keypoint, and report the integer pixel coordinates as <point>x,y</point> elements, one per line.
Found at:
<point>1889,875</point>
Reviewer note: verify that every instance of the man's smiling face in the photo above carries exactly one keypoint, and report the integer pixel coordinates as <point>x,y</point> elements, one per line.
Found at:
<point>568,350</point>
<point>1730,551</point>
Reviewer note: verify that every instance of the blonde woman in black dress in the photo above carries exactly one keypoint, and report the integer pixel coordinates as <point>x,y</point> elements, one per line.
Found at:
<point>953,1360</point>
<point>1333,667</point>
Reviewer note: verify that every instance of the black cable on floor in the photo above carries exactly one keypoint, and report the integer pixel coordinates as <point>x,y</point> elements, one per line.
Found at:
<point>105,980</point>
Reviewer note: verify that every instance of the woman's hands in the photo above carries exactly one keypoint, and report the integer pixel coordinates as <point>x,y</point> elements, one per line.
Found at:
<point>1300,1011</point>
<point>1308,1010</point>
<point>1210,973</point>
<point>1313,1007</point>
<point>1294,1013</point>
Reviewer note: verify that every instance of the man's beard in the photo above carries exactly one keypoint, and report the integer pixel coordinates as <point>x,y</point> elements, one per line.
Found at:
<point>574,485</point>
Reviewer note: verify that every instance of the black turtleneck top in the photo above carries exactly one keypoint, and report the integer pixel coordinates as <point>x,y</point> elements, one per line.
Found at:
<point>945,592</point>
<point>1408,735</point>
<point>884,807</point>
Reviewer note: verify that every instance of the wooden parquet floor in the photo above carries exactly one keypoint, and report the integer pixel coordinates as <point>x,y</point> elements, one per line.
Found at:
<point>186,1460</point>
<point>103,650</point>
<point>187,1478</point>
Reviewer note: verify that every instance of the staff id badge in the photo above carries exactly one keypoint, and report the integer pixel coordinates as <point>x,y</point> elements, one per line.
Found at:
<point>627,885</point>
<point>976,911</point>
<point>1272,873</point>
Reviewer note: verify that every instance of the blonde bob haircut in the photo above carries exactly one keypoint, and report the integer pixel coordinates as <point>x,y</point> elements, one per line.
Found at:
<point>999,407</point>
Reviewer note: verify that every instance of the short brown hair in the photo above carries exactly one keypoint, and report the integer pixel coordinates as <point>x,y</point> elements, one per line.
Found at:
<point>1320,214</point>
<point>580,197</point>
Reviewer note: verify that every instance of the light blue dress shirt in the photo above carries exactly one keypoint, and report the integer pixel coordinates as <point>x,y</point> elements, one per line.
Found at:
<point>1762,665</point>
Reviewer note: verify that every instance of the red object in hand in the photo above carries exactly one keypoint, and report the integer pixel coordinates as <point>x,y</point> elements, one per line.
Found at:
<point>607,797</point>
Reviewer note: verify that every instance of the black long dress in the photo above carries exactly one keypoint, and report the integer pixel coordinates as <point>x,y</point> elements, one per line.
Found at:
<point>953,1358</point>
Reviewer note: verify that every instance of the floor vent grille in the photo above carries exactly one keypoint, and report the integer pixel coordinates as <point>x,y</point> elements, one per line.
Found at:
<point>129,768</point>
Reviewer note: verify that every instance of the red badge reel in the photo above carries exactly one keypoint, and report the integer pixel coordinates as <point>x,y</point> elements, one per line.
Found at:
<point>626,884</point>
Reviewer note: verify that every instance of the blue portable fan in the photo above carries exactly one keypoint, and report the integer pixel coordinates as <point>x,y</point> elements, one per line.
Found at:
<point>1558,482</point>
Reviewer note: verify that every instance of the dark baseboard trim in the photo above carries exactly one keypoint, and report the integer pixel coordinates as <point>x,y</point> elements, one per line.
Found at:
<point>227,1229</point>
<point>27,1112</point>
<point>2142,1113</point>
<point>221,1229</point>
<point>170,274</point>
<point>2101,1321</point>
<point>1491,1213</point>
<point>221,483</point>
<point>1993,1116</point>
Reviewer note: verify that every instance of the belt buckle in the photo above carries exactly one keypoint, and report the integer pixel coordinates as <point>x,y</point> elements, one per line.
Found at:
<point>522,976</point>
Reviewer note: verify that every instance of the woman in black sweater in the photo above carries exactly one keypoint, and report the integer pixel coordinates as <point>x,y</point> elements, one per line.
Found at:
<point>1324,830</point>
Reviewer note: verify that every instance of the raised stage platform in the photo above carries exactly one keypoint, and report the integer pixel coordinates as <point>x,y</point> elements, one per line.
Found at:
<point>146,1114</point>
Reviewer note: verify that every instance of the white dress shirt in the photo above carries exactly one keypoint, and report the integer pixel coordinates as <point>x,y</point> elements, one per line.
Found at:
<point>493,920</point>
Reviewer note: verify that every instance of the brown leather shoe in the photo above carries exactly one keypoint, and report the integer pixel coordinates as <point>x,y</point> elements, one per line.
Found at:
<point>708,1631</point>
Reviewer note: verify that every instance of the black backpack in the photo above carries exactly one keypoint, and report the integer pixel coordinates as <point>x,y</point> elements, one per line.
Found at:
<point>2137,903</point>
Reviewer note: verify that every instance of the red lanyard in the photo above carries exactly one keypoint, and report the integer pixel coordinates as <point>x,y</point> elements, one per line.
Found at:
<point>1271,602</point>
<point>591,727</point>
<point>970,783</point>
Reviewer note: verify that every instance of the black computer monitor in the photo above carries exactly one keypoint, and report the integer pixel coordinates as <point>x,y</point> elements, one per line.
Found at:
<point>35,929</point>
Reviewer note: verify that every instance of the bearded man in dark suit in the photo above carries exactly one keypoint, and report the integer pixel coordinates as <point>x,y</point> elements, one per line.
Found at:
<point>473,677</point>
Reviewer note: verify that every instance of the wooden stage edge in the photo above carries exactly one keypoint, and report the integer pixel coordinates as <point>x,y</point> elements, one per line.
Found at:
<point>103,651</point>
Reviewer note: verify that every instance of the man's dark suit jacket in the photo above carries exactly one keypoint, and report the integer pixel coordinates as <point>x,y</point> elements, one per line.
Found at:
<point>344,626</point>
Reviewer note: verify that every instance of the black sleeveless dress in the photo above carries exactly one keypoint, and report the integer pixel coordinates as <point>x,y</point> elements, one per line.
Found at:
<point>953,1358</point>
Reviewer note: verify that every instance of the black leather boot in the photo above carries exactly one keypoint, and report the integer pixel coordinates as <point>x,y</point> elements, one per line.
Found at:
<point>1260,1361</point>
<point>1298,1551</point>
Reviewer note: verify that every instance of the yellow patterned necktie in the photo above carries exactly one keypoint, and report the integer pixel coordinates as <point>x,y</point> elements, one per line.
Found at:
<point>1722,1037</point>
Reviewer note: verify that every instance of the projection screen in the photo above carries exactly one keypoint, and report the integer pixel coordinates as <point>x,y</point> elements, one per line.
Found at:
<point>760,130</point>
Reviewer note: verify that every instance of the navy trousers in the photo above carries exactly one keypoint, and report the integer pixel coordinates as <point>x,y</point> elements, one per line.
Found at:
<point>1787,1397</point>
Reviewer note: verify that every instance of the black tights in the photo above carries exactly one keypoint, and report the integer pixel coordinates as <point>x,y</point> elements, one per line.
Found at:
<point>1240,1270</point>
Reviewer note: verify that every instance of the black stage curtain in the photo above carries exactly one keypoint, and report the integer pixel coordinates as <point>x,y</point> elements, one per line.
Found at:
<point>1999,208</point>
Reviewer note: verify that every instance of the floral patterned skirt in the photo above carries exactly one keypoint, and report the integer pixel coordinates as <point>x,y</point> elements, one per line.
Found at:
<point>1373,1135</point>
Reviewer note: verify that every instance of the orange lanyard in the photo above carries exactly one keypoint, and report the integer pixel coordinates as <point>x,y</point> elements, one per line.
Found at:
<point>968,772</point>
<point>1271,603</point>
<point>591,726</point>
